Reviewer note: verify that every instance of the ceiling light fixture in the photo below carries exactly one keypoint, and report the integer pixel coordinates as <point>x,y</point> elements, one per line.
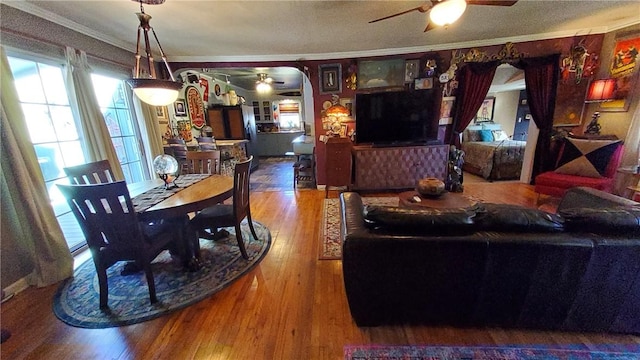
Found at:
<point>263,84</point>
<point>150,89</point>
<point>447,12</point>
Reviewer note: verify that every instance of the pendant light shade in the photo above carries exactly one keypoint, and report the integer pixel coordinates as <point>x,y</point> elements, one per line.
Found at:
<point>447,12</point>
<point>148,88</point>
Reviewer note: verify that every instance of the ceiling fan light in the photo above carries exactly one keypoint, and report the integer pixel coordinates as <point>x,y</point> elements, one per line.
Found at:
<point>154,91</point>
<point>447,12</point>
<point>263,87</point>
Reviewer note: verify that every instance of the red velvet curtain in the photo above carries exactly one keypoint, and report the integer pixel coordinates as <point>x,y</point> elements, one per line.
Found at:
<point>541,79</point>
<point>474,82</point>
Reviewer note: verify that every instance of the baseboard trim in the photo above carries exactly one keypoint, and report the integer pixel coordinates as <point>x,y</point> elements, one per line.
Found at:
<point>15,288</point>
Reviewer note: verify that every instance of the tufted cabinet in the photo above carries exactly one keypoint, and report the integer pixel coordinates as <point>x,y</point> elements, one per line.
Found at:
<point>398,167</point>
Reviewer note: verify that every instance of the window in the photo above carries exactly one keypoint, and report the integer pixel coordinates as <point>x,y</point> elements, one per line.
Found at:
<point>55,133</point>
<point>289,115</point>
<point>122,128</point>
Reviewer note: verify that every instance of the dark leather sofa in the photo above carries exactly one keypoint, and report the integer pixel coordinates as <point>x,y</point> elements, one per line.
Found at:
<point>577,278</point>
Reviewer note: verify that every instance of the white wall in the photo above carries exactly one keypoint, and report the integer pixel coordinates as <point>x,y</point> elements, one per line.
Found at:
<point>506,109</point>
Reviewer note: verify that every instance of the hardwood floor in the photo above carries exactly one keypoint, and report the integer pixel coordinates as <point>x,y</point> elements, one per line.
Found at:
<point>291,306</point>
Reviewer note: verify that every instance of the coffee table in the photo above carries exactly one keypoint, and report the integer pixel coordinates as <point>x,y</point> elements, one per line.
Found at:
<point>447,200</point>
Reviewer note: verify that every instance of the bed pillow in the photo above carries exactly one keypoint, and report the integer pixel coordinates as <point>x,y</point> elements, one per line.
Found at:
<point>486,135</point>
<point>500,135</point>
<point>589,158</point>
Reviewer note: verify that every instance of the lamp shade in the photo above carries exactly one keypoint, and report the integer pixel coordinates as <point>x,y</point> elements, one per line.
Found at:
<point>447,12</point>
<point>154,91</point>
<point>337,111</point>
<point>601,90</point>
<point>263,87</point>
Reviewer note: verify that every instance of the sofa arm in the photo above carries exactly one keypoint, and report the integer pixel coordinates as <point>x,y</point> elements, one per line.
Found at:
<point>352,213</point>
<point>580,197</point>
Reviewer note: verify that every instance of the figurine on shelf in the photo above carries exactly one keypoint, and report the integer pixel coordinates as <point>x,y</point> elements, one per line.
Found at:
<point>454,173</point>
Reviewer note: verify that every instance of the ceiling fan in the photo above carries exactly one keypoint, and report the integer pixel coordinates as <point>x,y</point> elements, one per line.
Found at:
<point>445,12</point>
<point>264,78</point>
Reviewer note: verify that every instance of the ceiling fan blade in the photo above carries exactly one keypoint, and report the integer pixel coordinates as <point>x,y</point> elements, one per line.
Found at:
<point>421,8</point>
<point>278,82</point>
<point>430,26</point>
<point>492,2</point>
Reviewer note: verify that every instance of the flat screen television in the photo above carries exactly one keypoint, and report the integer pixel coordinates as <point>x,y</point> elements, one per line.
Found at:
<point>395,118</point>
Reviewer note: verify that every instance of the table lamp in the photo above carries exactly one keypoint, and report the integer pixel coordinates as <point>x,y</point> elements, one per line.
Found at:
<point>599,91</point>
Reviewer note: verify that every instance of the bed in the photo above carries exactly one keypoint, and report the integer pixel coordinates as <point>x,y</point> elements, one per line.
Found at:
<point>488,152</point>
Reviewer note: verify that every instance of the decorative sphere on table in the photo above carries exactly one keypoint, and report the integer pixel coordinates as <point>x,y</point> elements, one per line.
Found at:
<point>166,166</point>
<point>430,187</point>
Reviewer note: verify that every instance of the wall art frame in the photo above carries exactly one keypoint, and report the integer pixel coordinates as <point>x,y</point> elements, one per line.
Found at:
<point>624,69</point>
<point>330,76</point>
<point>446,110</point>
<point>411,70</point>
<point>381,73</point>
<point>162,114</point>
<point>180,107</point>
<point>485,113</point>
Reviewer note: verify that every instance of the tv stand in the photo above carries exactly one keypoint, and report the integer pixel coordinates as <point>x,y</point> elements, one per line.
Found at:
<point>398,167</point>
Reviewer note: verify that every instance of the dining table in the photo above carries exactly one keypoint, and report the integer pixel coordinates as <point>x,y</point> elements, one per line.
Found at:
<point>194,192</point>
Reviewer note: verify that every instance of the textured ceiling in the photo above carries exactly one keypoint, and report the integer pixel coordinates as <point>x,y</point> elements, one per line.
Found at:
<point>228,31</point>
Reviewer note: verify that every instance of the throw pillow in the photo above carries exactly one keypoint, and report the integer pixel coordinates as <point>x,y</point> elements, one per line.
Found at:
<point>500,135</point>
<point>603,220</point>
<point>588,158</point>
<point>504,217</point>
<point>427,220</point>
<point>486,135</point>
<point>472,135</point>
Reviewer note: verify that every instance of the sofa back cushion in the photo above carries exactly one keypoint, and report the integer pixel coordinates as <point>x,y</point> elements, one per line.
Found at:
<point>514,218</point>
<point>589,158</point>
<point>427,221</point>
<point>615,220</point>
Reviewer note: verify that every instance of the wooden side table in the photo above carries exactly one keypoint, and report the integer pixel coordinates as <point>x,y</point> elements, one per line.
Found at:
<point>448,200</point>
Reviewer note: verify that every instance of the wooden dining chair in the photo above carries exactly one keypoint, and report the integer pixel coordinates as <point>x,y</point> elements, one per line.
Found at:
<point>179,150</point>
<point>203,162</point>
<point>91,173</point>
<point>222,215</point>
<point>110,224</point>
<point>206,143</point>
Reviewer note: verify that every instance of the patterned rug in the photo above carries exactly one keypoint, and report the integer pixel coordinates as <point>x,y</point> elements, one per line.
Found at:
<point>330,242</point>
<point>77,299</point>
<point>381,352</point>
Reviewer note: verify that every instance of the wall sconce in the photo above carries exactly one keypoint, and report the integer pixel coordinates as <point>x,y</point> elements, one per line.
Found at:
<point>447,12</point>
<point>149,89</point>
<point>599,91</point>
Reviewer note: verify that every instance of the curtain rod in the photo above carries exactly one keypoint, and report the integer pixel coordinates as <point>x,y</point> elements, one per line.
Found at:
<point>62,46</point>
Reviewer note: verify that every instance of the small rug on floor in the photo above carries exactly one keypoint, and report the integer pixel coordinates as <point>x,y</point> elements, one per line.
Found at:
<point>330,241</point>
<point>382,352</point>
<point>77,300</point>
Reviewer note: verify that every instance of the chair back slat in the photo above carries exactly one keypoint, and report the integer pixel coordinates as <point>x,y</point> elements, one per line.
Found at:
<point>106,215</point>
<point>241,187</point>
<point>91,173</point>
<point>203,162</point>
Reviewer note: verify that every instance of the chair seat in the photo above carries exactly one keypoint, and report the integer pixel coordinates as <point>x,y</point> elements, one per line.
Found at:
<point>553,183</point>
<point>219,214</point>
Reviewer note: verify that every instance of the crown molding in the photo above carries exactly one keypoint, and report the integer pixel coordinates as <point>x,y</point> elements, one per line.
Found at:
<point>57,19</point>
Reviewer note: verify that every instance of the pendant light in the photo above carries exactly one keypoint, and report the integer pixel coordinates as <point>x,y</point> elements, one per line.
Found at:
<point>149,89</point>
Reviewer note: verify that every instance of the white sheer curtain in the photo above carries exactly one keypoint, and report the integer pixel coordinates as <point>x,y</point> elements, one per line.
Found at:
<point>631,155</point>
<point>98,145</point>
<point>29,226</point>
<point>150,130</point>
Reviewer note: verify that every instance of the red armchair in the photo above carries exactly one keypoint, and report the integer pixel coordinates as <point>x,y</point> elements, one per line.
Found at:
<point>582,162</point>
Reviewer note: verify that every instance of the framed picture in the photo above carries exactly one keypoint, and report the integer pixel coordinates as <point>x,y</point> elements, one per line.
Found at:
<point>180,107</point>
<point>343,130</point>
<point>330,78</point>
<point>381,73</point>
<point>161,114</point>
<point>426,83</point>
<point>485,113</point>
<point>348,103</point>
<point>446,108</point>
<point>624,70</point>
<point>411,70</point>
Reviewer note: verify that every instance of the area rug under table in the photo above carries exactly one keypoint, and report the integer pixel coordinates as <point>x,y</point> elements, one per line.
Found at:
<point>330,241</point>
<point>77,300</point>
<point>383,352</point>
